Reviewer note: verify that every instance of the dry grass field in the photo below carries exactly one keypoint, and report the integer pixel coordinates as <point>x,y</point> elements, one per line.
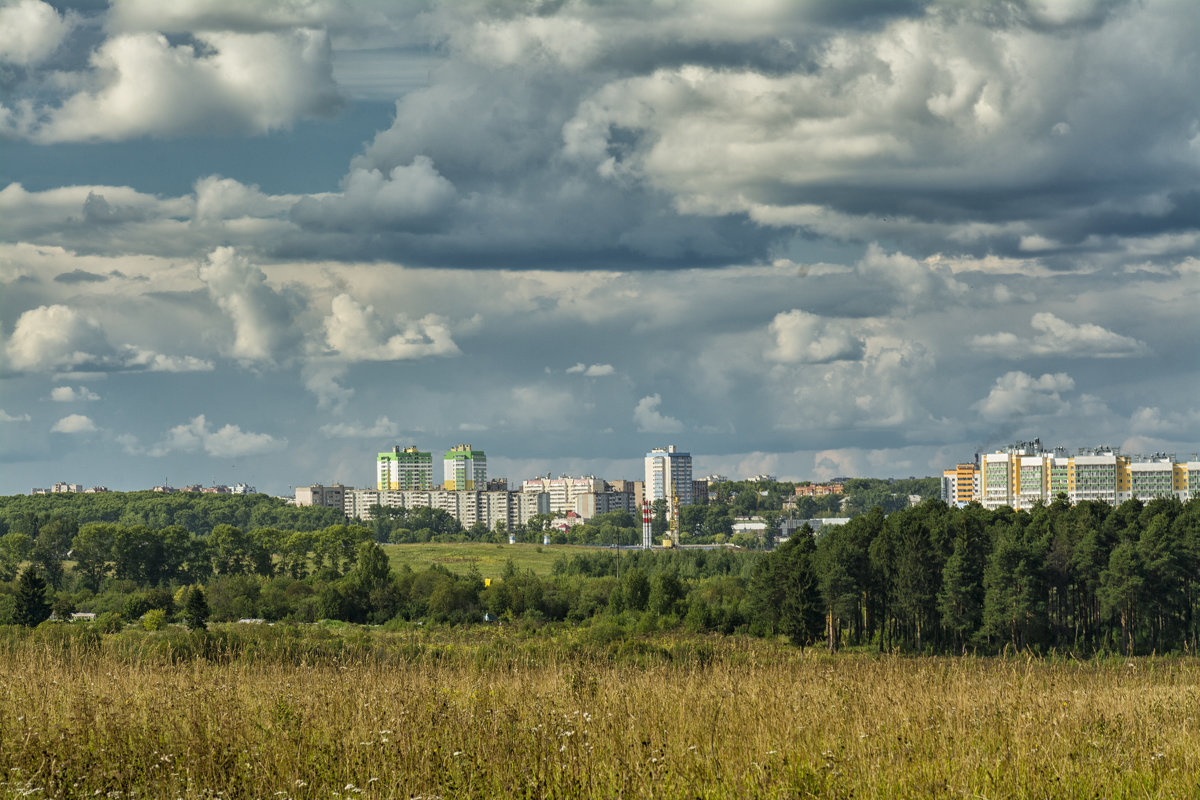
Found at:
<point>494,715</point>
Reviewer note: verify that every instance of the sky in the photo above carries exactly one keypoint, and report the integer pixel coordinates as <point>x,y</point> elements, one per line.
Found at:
<point>262,242</point>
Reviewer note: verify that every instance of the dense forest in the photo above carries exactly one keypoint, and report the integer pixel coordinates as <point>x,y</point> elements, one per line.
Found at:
<point>930,578</point>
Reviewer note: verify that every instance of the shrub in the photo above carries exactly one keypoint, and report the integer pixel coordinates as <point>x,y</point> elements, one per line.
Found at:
<point>109,622</point>
<point>154,620</point>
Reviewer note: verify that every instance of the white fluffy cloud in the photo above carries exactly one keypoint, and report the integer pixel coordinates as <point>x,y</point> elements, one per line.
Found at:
<point>800,337</point>
<point>1057,337</point>
<point>357,334</point>
<point>148,360</point>
<point>74,423</point>
<point>591,370</point>
<point>1018,394</point>
<point>229,83</point>
<point>229,441</point>
<point>70,394</point>
<point>57,337</point>
<point>30,31</point>
<point>6,417</point>
<point>406,198</point>
<point>649,419</point>
<point>262,317</point>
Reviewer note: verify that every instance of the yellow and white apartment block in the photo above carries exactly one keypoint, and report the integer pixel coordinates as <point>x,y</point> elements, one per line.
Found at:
<point>1022,475</point>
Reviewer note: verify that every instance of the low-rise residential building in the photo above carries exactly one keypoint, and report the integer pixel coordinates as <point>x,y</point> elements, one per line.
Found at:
<point>819,489</point>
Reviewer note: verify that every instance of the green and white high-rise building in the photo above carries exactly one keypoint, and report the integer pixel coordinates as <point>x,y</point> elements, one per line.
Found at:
<point>464,469</point>
<point>405,470</point>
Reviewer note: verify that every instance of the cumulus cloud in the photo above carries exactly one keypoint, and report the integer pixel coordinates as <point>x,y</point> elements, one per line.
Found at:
<point>887,388</point>
<point>1018,394</point>
<point>648,419</point>
<point>148,360</point>
<point>381,428</point>
<point>591,370</point>
<point>70,394</point>
<point>229,441</point>
<point>408,197</point>
<point>1057,337</point>
<point>1152,420</point>
<point>6,417</point>
<point>918,284</point>
<point>74,423</point>
<point>800,337</point>
<point>358,334</point>
<point>227,82</point>
<point>261,316</point>
<point>30,31</point>
<point>57,337</point>
<point>219,198</point>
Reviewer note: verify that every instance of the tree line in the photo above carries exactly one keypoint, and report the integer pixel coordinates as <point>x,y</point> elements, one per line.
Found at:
<point>1084,578</point>
<point>931,578</point>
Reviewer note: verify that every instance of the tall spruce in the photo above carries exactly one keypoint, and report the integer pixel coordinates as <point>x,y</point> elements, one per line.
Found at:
<point>32,605</point>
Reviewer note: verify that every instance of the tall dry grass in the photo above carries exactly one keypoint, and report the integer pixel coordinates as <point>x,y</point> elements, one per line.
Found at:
<point>718,719</point>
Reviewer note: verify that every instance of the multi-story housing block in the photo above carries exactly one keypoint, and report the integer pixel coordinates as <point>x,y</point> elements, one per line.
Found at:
<point>464,469</point>
<point>325,496</point>
<point>563,491</point>
<point>589,504</point>
<point>468,507</point>
<point>402,469</point>
<point>1024,474</point>
<point>960,485</point>
<point>669,476</point>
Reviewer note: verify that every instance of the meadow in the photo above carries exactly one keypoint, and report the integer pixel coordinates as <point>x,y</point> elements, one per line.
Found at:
<point>489,559</point>
<point>500,712</point>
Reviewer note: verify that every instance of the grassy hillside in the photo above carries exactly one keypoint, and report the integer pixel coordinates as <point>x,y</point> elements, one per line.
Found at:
<point>489,559</point>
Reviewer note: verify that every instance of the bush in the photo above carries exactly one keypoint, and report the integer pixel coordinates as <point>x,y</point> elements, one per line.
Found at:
<point>154,620</point>
<point>108,622</point>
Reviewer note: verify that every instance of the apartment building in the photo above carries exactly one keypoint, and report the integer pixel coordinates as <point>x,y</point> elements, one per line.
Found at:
<point>563,490</point>
<point>669,475</point>
<point>404,469</point>
<point>464,469</point>
<point>1025,473</point>
<point>468,507</point>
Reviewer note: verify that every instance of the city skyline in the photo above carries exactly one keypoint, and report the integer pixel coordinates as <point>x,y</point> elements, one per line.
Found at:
<point>262,242</point>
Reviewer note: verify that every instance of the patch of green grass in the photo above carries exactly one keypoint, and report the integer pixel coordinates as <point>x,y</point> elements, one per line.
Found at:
<point>489,559</point>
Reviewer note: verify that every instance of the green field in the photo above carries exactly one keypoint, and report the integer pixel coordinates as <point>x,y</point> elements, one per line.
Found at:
<point>489,559</point>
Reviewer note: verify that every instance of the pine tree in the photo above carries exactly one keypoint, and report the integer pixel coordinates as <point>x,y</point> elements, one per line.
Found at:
<point>195,609</point>
<point>32,605</point>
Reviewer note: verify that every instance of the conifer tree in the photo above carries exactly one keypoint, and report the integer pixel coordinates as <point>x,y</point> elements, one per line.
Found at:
<point>32,606</point>
<point>195,609</point>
